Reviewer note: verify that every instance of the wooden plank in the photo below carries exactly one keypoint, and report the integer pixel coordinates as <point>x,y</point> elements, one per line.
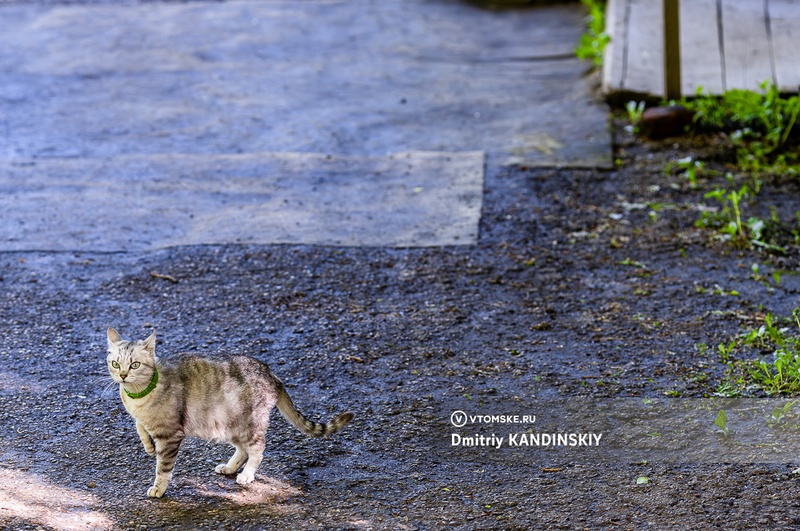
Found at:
<point>645,71</point>
<point>672,50</point>
<point>614,54</point>
<point>701,58</point>
<point>784,18</point>
<point>746,44</point>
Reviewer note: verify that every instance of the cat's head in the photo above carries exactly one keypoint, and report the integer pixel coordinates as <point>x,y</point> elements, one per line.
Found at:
<point>131,362</point>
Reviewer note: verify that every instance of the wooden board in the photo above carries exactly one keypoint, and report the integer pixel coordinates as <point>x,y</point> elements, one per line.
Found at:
<point>725,44</point>
<point>614,63</point>
<point>645,71</point>
<point>700,48</point>
<point>746,44</point>
<point>784,19</point>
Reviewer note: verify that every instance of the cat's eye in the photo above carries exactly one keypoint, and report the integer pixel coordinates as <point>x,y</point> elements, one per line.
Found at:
<point>115,364</point>
<point>135,365</point>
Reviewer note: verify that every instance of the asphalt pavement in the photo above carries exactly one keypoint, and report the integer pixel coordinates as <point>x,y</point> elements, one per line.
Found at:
<point>308,182</point>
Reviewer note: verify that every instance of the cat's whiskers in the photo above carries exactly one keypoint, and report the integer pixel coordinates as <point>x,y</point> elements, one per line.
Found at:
<point>106,381</point>
<point>107,387</point>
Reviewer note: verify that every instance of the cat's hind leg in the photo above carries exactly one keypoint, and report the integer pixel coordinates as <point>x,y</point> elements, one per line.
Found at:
<point>255,452</point>
<point>234,463</point>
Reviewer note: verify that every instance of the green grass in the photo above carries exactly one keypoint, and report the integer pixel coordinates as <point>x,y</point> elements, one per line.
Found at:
<point>594,40</point>
<point>759,126</point>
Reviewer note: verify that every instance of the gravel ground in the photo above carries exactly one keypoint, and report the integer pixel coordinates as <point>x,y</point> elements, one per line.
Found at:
<point>541,308</point>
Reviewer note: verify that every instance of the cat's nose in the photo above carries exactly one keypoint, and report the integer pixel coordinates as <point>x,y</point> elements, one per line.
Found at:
<point>123,375</point>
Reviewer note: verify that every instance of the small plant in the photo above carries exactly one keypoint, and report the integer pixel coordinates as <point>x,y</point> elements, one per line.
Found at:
<point>728,389</point>
<point>702,349</point>
<point>766,337</point>
<point>781,374</point>
<point>730,222</point>
<point>633,263</point>
<point>758,276</point>
<point>721,421</point>
<point>726,350</point>
<point>689,167</point>
<point>593,42</point>
<point>635,111</point>
<point>779,414</point>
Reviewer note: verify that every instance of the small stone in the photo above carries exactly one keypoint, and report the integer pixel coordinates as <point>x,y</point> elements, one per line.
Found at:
<point>663,122</point>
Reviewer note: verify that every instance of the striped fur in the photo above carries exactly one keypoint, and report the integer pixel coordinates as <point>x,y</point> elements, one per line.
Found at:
<point>223,400</point>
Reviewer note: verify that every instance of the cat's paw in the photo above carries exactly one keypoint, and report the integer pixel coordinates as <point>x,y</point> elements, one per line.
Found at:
<point>155,492</point>
<point>224,470</point>
<point>245,477</point>
<point>151,450</point>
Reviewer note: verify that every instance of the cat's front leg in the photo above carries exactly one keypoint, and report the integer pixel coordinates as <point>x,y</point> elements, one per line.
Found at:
<point>166,454</point>
<point>147,441</point>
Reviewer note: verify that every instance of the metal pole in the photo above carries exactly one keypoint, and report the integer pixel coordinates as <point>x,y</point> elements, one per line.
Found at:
<point>672,51</point>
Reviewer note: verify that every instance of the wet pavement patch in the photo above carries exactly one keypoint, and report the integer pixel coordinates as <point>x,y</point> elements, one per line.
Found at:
<point>146,202</point>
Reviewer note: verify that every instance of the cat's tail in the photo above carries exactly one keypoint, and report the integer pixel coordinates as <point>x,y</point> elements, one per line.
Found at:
<point>314,429</point>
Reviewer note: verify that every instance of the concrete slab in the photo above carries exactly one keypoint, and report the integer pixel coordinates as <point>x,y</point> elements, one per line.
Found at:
<point>434,199</point>
<point>318,76</point>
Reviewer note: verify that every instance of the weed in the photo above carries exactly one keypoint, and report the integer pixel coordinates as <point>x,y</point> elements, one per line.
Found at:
<point>633,263</point>
<point>730,222</point>
<point>699,289</point>
<point>721,421</point>
<point>689,167</point>
<point>758,276</point>
<point>726,350</point>
<point>635,111</point>
<point>593,42</point>
<point>766,337</point>
<point>779,414</point>
<point>728,388</point>
<point>781,375</point>
<point>719,290</point>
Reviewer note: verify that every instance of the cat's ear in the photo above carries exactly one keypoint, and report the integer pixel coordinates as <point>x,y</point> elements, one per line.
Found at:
<point>150,344</point>
<point>113,336</point>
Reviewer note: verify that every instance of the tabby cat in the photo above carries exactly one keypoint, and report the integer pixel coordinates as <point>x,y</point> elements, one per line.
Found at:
<point>222,400</point>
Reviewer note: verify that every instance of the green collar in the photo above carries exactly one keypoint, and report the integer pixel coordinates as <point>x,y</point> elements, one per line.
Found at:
<point>147,390</point>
